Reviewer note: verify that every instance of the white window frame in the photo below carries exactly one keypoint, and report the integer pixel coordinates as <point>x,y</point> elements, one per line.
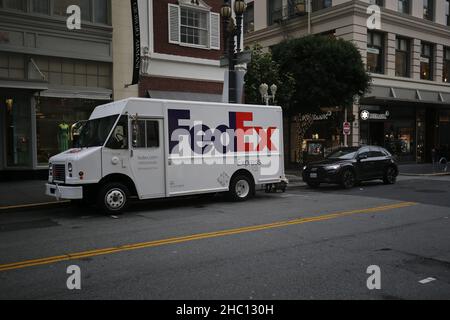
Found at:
<point>203,7</point>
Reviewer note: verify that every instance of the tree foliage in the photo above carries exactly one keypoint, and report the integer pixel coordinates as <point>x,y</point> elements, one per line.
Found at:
<point>263,69</point>
<point>328,72</point>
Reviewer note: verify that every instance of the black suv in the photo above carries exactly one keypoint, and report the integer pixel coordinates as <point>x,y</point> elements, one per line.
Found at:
<point>349,166</point>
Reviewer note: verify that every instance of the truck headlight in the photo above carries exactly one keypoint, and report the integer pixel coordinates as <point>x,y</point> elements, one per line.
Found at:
<point>70,168</point>
<point>50,169</point>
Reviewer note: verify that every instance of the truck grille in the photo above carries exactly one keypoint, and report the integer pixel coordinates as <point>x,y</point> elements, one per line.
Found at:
<point>59,172</point>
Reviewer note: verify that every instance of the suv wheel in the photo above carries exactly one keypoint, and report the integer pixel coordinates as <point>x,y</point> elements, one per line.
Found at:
<point>390,176</point>
<point>348,179</point>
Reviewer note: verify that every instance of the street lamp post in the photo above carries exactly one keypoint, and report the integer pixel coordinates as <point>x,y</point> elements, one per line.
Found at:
<point>231,47</point>
<point>264,91</point>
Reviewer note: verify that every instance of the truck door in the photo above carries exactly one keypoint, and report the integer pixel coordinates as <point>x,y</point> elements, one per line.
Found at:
<point>147,157</point>
<point>115,154</point>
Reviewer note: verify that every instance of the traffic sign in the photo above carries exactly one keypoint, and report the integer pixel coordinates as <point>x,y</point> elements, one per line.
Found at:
<point>347,128</point>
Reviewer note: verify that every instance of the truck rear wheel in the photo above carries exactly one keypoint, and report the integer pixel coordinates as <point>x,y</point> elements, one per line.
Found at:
<point>242,188</point>
<point>113,198</point>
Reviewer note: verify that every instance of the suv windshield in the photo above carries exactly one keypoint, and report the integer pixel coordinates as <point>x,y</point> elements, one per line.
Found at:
<point>95,132</point>
<point>344,154</point>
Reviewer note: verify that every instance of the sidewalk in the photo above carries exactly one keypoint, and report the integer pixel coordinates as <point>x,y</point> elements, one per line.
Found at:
<point>28,193</point>
<point>426,169</point>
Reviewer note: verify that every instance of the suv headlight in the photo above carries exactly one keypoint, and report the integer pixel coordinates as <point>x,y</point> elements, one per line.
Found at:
<point>70,168</point>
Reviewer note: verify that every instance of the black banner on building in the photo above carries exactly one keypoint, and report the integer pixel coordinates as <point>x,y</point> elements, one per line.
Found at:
<point>136,41</point>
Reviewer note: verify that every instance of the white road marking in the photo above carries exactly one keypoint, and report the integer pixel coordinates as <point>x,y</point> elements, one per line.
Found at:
<point>427,280</point>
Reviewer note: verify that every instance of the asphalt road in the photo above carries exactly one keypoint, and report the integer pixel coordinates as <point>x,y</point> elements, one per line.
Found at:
<point>304,244</point>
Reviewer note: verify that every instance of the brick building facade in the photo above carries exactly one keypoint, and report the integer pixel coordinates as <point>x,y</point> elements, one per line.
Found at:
<point>183,43</point>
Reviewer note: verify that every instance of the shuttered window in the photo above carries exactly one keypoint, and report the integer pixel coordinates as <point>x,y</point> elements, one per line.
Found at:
<point>192,27</point>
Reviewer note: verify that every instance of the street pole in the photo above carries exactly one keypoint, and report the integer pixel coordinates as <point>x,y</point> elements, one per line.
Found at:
<point>232,49</point>
<point>309,16</point>
<point>346,136</point>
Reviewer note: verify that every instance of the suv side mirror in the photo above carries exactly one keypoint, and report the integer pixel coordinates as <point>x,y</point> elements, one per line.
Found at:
<point>362,156</point>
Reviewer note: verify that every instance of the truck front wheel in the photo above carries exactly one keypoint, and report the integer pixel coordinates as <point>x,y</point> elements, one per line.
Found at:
<point>113,198</point>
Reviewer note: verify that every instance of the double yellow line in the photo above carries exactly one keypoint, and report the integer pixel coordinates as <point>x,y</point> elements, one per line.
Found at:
<point>201,236</point>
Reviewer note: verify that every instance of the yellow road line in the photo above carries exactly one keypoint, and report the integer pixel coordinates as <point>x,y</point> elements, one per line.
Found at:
<point>32,205</point>
<point>201,236</point>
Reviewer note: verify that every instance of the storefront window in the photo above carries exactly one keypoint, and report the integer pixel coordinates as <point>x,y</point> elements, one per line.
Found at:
<point>393,128</point>
<point>56,120</point>
<point>375,52</point>
<point>17,130</point>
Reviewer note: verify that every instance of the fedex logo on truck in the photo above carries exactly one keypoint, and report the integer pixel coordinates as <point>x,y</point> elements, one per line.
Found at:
<point>238,136</point>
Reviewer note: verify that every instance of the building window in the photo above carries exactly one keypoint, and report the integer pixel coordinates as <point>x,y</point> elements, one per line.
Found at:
<point>428,9</point>
<point>40,6</point>
<point>402,58</point>
<point>321,4</point>
<point>446,76</point>
<point>14,4</point>
<point>249,18</point>
<point>194,27</point>
<point>447,11</point>
<point>12,66</point>
<point>60,8</point>
<point>375,52</point>
<point>426,62</point>
<point>404,6</point>
<point>275,11</point>
<point>101,11</point>
<point>379,3</point>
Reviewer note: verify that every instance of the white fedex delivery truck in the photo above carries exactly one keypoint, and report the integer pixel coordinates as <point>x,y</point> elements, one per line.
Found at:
<point>147,149</point>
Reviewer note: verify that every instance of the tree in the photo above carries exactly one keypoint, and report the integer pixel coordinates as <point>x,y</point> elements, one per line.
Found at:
<point>328,72</point>
<point>263,69</point>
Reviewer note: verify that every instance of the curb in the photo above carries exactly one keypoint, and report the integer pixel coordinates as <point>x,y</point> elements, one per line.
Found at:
<point>425,174</point>
<point>33,206</point>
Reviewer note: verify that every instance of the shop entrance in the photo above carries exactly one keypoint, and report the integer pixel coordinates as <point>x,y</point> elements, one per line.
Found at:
<point>15,130</point>
<point>372,133</point>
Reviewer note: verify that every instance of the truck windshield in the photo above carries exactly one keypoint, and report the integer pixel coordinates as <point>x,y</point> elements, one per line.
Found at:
<point>95,132</point>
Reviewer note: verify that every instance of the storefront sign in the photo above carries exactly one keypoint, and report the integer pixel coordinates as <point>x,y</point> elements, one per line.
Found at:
<point>136,41</point>
<point>366,115</point>
<point>373,50</point>
<point>322,117</point>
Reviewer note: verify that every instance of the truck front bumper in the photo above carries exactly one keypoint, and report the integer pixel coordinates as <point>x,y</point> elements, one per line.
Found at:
<point>64,192</point>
